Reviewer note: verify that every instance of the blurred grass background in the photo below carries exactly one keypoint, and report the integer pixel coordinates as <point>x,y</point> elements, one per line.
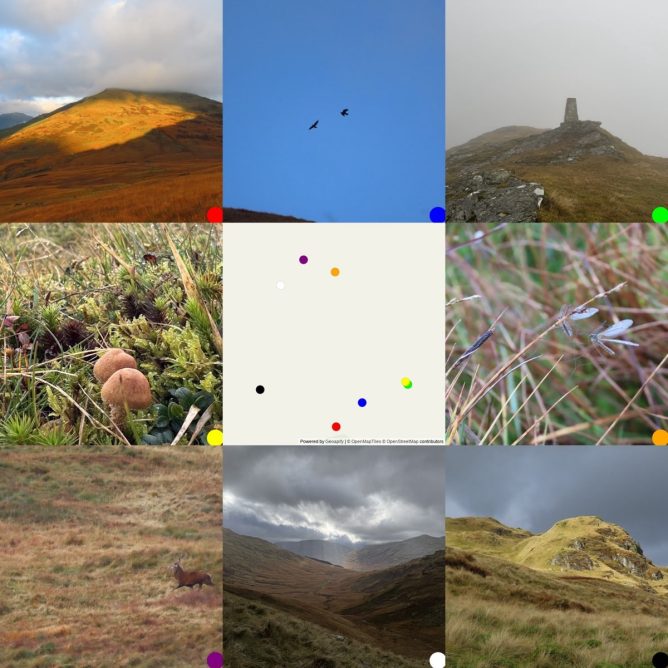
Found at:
<point>520,275</point>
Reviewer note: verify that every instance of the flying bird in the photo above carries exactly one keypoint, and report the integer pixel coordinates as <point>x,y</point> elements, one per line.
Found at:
<point>344,112</point>
<point>314,126</point>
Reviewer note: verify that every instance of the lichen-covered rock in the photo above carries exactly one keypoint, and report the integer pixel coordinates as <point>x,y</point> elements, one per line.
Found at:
<point>573,560</point>
<point>496,195</point>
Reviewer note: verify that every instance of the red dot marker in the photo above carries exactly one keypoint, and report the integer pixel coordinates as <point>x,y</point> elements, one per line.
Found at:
<point>336,426</point>
<point>215,214</point>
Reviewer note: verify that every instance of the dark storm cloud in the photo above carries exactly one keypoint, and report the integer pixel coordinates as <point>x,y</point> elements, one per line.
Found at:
<point>68,49</point>
<point>532,488</point>
<point>374,494</point>
<point>515,62</point>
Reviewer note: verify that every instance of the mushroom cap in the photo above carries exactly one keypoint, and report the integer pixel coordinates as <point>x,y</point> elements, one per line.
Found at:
<point>127,387</point>
<point>113,360</point>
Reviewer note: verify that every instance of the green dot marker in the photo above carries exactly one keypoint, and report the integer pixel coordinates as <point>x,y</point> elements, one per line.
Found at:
<point>660,214</point>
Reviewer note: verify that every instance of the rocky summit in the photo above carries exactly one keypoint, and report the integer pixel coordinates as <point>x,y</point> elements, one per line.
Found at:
<point>575,172</point>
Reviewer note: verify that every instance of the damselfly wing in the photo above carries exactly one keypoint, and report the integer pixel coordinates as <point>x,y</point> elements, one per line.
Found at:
<point>602,335</point>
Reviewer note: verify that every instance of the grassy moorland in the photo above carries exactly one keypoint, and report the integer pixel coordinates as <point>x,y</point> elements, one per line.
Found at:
<point>87,541</point>
<point>530,383</point>
<point>502,615</point>
<point>117,156</point>
<point>70,291</point>
<point>622,187</point>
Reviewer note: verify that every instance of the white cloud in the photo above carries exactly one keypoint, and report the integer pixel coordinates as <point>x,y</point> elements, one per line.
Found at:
<point>53,49</point>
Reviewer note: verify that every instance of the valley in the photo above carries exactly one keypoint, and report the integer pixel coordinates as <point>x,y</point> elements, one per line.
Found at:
<point>397,609</point>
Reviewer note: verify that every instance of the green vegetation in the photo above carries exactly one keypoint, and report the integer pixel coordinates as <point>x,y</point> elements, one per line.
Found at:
<point>70,291</point>
<point>530,383</point>
<point>88,539</point>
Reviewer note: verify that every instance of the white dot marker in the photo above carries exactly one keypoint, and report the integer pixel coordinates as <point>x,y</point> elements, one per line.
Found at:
<point>280,285</point>
<point>437,660</point>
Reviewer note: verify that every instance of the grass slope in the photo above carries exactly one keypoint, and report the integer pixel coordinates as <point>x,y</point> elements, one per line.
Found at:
<point>503,615</point>
<point>593,549</point>
<point>119,156</point>
<point>87,540</point>
<point>262,636</point>
<point>625,188</point>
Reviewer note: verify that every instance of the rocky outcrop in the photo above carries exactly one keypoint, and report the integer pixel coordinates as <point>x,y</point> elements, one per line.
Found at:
<point>496,195</point>
<point>573,560</point>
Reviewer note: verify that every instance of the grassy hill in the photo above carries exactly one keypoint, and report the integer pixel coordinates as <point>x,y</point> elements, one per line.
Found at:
<point>502,613</point>
<point>607,181</point>
<point>87,541</point>
<point>585,545</point>
<point>119,156</point>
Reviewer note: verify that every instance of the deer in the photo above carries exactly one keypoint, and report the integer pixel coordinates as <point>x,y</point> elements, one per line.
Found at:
<point>189,578</point>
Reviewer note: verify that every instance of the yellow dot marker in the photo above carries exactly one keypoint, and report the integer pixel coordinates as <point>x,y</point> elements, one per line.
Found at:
<point>407,383</point>
<point>214,437</point>
<point>660,437</point>
<point>335,271</point>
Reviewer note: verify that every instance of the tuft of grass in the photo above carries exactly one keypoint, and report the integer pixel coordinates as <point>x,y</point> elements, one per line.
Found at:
<point>529,383</point>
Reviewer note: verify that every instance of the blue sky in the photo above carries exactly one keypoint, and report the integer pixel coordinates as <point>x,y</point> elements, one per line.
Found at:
<point>291,62</point>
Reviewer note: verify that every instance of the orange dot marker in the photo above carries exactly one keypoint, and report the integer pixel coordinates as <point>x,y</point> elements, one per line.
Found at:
<point>660,437</point>
<point>335,271</point>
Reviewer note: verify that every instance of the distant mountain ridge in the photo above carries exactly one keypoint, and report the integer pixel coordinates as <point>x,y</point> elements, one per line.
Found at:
<point>13,119</point>
<point>368,557</point>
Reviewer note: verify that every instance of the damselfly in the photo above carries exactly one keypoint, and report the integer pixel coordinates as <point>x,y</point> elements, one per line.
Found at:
<point>469,351</point>
<point>575,314</point>
<point>602,335</point>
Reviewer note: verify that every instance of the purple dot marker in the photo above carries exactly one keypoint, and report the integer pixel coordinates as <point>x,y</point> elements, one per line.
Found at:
<point>215,660</point>
<point>303,259</point>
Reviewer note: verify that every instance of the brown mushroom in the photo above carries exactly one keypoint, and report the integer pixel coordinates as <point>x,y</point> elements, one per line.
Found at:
<point>113,360</point>
<point>126,389</point>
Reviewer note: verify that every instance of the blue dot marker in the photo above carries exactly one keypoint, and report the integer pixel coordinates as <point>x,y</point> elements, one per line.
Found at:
<point>361,403</point>
<point>437,214</point>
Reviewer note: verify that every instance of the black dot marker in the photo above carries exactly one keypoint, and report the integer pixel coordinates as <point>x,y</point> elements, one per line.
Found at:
<point>660,660</point>
<point>260,389</point>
